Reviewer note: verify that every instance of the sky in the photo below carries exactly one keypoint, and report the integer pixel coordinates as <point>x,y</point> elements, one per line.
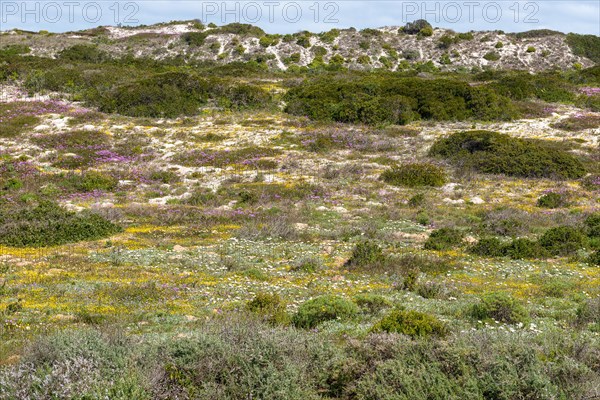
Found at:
<point>579,16</point>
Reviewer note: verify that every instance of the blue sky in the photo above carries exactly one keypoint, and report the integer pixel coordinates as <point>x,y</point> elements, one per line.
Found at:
<point>581,16</point>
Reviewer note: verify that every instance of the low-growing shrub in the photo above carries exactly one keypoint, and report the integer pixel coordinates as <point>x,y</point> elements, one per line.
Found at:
<point>589,313</point>
<point>444,239</point>
<point>592,225</point>
<point>324,308</point>
<point>366,254</point>
<point>411,323</point>
<point>47,224</point>
<point>307,264</point>
<point>496,153</point>
<point>269,306</point>
<point>523,248</point>
<point>371,303</point>
<point>492,56</point>
<point>552,200</point>
<point>489,247</point>
<point>93,180</point>
<point>562,240</point>
<point>499,307</point>
<point>415,175</point>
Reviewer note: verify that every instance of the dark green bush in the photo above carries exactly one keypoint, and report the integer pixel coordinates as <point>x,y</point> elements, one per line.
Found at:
<point>269,306</point>
<point>383,99</point>
<point>83,52</point>
<point>411,323</point>
<point>551,200</point>
<point>496,153</point>
<point>499,307</point>
<point>592,224</point>
<point>444,239</point>
<point>585,46</point>
<point>562,240</point>
<point>324,308</point>
<point>489,247</point>
<point>523,248</point>
<point>47,224</point>
<point>412,28</point>
<point>93,180</point>
<point>173,94</point>
<point>194,38</point>
<point>365,254</point>
<point>594,259</point>
<point>371,303</point>
<point>415,175</point>
<point>492,56</point>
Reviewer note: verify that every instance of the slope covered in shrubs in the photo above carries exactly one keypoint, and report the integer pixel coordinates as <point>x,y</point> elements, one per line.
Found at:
<point>497,153</point>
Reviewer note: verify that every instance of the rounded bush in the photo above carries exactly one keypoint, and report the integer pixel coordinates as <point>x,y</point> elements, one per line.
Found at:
<point>489,247</point>
<point>523,248</point>
<point>497,153</point>
<point>366,253</point>
<point>551,200</point>
<point>499,307</point>
<point>47,224</point>
<point>444,239</point>
<point>371,302</point>
<point>270,306</point>
<point>415,175</point>
<point>411,323</point>
<point>562,240</point>
<point>324,308</point>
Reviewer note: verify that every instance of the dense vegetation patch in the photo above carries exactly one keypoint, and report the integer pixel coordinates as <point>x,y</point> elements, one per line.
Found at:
<point>324,308</point>
<point>415,175</point>
<point>47,224</point>
<point>499,307</point>
<point>411,323</point>
<point>375,100</point>
<point>496,153</point>
<point>585,46</point>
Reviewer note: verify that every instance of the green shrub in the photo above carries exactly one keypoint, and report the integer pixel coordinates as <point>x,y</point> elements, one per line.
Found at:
<point>589,313</point>
<point>269,40</point>
<point>83,52</point>
<point>496,153</point>
<point>523,248</point>
<point>269,306</point>
<point>415,175</point>
<point>411,323</point>
<point>562,240</point>
<point>531,49</point>
<point>324,308</point>
<point>329,36</point>
<point>585,46</point>
<point>371,303</point>
<point>47,224</point>
<point>594,259</point>
<point>551,200</point>
<point>418,200</point>
<point>592,224</point>
<point>444,239</point>
<point>412,28</point>
<point>365,254</point>
<point>499,307</point>
<point>499,45</point>
<point>93,180</point>
<point>489,247</point>
<point>307,264</point>
<point>382,99</point>
<point>492,56</point>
